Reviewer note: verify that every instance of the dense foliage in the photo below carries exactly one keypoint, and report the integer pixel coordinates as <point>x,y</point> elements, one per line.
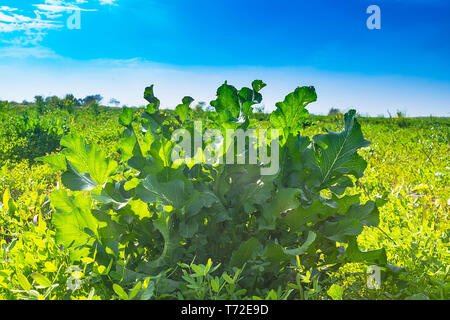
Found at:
<point>30,136</point>
<point>134,224</point>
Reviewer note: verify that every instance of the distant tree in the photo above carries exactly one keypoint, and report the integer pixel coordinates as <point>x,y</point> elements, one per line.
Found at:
<point>53,102</point>
<point>69,103</point>
<point>260,108</point>
<point>92,98</point>
<point>115,102</point>
<point>200,106</point>
<point>72,98</point>
<point>401,114</point>
<point>334,112</point>
<point>38,100</point>
<point>3,105</point>
<point>39,103</point>
<point>94,108</point>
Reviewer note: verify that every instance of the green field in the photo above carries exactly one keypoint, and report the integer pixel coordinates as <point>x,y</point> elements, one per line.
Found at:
<point>44,206</point>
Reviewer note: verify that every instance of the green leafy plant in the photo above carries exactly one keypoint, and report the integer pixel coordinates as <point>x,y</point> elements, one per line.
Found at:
<point>145,214</point>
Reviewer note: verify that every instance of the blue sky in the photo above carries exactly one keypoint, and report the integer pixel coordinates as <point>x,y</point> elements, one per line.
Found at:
<point>190,47</point>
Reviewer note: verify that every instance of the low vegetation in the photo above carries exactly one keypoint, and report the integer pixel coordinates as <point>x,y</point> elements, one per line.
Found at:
<point>94,207</point>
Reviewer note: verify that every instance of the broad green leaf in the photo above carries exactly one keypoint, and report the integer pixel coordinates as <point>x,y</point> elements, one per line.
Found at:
<point>23,281</point>
<point>198,270</point>
<point>131,184</point>
<point>257,85</point>
<point>152,100</point>
<point>172,193</point>
<point>128,145</point>
<point>366,213</point>
<point>291,113</point>
<point>56,161</point>
<point>171,241</point>
<point>87,260</point>
<point>8,202</point>
<point>340,185</point>
<point>248,189</point>
<point>235,106</point>
<point>246,251</point>
<point>41,280</point>
<point>76,181</point>
<point>248,98</point>
<point>354,254</point>
<point>215,285</point>
<point>183,111</point>
<point>352,223</point>
<point>296,145</point>
<point>304,247</point>
<point>189,227</point>
<point>227,278</point>
<point>272,295</point>
<point>336,153</point>
<point>338,231</point>
<point>153,121</point>
<point>318,211</point>
<point>114,193</point>
<point>120,292</point>
<point>344,203</point>
<point>50,267</point>
<point>74,222</point>
<point>275,255</point>
<point>109,230</point>
<point>227,100</point>
<point>87,159</point>
<point>200,200</point>
<point>335,292</point>
<point>284,201</point>
<point>148,292</point>
<point>135,290</point>
<point>139,208</point>
<point>126,117</point>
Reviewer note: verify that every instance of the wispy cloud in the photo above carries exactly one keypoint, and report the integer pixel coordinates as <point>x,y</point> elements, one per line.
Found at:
<point>11,21</point>
<point>27,52</point>
<point>6,8</point>
<point>106,2</point>
<point>28,27</point>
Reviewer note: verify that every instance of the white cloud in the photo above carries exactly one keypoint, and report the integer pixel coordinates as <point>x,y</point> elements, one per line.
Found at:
<point>110,2</point>
<point>23,27</point>
<point>11,21</point>
<point>6,8</point>
<point>55,9</point>
<point>27,52</point>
